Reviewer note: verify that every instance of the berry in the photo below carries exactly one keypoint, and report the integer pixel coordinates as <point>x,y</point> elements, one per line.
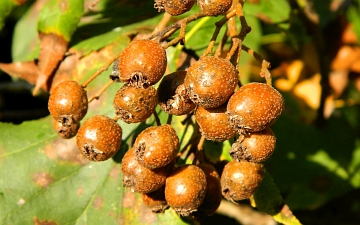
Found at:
<point>185,189</point>
<point>254,107</point>
<point>66,132</point>
<point>210,81</point>
<point>156,146</point>
<point>172,95</point>
<point>214,7</point>
<point>139,178</point>
<point>174,7</point>
<point>239,180</point>
<point>141,64</point>
<point>214,124</point>
<point>99,138</point>
<point>156,200</point>
<point>68,103</point>
<point>133,105</point>
<point>255,147</point>
<point>213,195</point>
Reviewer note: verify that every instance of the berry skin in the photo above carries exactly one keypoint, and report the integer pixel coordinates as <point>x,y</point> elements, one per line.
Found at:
<point>254,107</point>
<point>156,146</point>
<point>99,138</point>
<point>255,147</point>
<point>214,7</point>
<point>66,132</point>
<point>214,124</point>
<point>174,7</point>
<point>141,64</point>
<point>68,103</point>
<point>185,189</point>
<point>172,95</point>
<point>133,105</point>
<point>213,195</point>
<point>210,81</point>
<point>156,200</point>
<point>139,178</point>
<point>239,180</point>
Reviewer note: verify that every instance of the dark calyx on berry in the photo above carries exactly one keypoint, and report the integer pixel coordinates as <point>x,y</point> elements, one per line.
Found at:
<point>254,107</point>
<point>141,64</point>
<point>210,81</point>
<point>254,147</point>
<point>133,104</point>
<point>68,103</point>
<point>185,189</point>
<point>239,180</point>
<point>214,7</point>
<point>139,178</point>
<point>174,7</point>
<point>173,98</point>
<point>214,124</point>
<point>156,146</point>
<point>66,132</point>
<point>99,138</point>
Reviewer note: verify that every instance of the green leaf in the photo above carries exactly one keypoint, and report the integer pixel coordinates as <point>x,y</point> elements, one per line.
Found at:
<point>60,17</point>
<point>6,7</point>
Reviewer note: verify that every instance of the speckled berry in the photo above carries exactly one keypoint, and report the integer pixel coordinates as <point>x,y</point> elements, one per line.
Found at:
<point>68,103</point>
<point>133,105</point>
<point>173,98</point>
<point>214,7</point>
<point>214,124</point>
<point>139,178</point>
<point>66,132</point>
<point>239,180</point>
<point>156,146</point>
<point>141,64</point>
<point>174,7</point>
<point>210,81</point>
<point>254,147</point>
<point>254,107</point>
<point>213,195</point>
<point>156,200</point>
<point>185,189</point>
<point>99,138</point>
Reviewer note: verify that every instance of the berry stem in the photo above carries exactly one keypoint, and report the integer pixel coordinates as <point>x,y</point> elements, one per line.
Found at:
<point>99,71</point>
<point>221,45</point>
<point>169,119</point>
<point>219,25</point>
<point>102,90</point>
<point>166,32</point>
<point>162,24</point>
<point>180,38</point>
<point>157,119</point>
<point>265,65</point>
<point>199,154</point>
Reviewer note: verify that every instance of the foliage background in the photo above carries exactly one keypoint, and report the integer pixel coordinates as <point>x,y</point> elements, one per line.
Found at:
<point>316,165</point>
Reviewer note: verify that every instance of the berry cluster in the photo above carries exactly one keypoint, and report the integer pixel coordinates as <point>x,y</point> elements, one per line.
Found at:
<point>209,91</point>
